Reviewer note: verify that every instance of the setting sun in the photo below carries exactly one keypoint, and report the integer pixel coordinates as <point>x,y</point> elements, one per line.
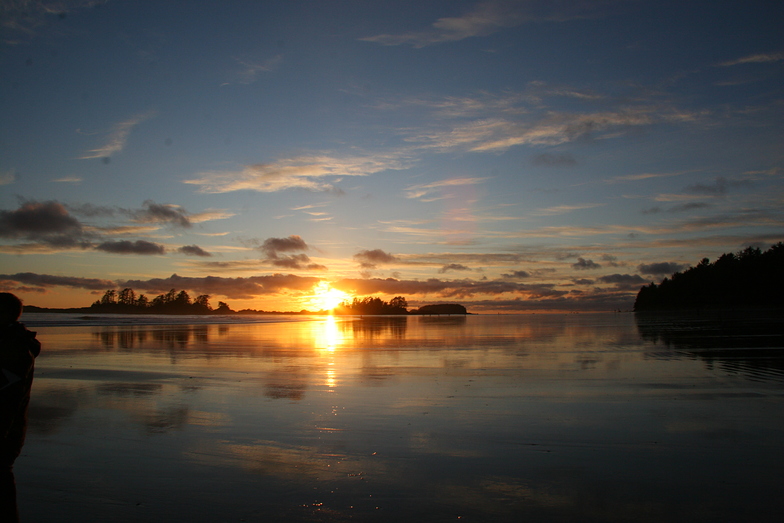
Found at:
<point>325,297</point>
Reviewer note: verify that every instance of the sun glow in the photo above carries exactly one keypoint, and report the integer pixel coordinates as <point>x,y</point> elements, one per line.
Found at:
<point>325,298</point>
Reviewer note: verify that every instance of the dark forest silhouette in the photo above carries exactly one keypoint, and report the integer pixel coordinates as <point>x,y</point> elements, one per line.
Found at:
<point>374,306</point>
<point>127,301</point>
<point>748,279</point>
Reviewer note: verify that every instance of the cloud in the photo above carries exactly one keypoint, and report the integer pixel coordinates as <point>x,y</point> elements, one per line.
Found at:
<point>129,247</point>
<point>644,176</point>
<point>118,137</point>
<point>274,247</point>
<point>370,259</point>
<point>689,206</point>
<point>564,209</point>
<point>25,17</point>
<point>755,59</point>
<point>661,268</point>
<point>583,264</point>
<point>250,70</point>
<point>453,267</point>
<point>623,281</point>
<point>516,275</point>
<point>193,250</point>
<point>7,177</point>
<point>490,17</point>
<point>718,188</point>
<point>47,280</point>
<point>554,160</point>
<point>444,288</point>
<point>548,129</point>
<point>47,222</point>
<point>158,213</point>
<point>304,172</point>
<point>236,288</point>
<point>424,191</point>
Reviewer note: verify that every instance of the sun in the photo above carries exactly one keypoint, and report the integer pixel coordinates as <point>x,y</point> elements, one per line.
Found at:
<point>326,298</point>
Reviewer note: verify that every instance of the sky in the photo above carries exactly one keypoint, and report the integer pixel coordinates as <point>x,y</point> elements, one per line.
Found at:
<point>510,155</point>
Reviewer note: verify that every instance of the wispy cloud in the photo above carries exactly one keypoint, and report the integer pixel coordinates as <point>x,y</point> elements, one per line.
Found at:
<point>118,137</point>
<point>7,177</point>
<point>48,280</point>
<point>548,129</point>
<point>250,69</point>
<point>425,191</point>
<point>564,209</point>
<point>760,58</point>
<point>304,172</point>
<point>493,16</point>
<point>644,176</point>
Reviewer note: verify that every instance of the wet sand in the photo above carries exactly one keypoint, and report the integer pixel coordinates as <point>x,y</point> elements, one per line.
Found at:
<point>541,418</point>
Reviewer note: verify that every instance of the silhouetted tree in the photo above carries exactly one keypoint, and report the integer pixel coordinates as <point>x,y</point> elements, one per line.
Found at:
<point>750,278</point>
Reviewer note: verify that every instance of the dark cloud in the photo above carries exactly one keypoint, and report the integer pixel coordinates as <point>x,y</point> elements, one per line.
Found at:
<point>47,222</point>
<point>193,250</point>
<point>583,281</point>
<point>610,260</point>
<point>516,275</point>
<point>453,267</point>
<point>159,213</point>
<point>274,247</point>
<point>46,280</point>
<point>690,206</point>
<point>236,288</point>
<point>370,259</point>
<point>554,160</point>
<point>661,268</point>
<point>129,247</point>
<point>623,281</point>
<point>296,261</point>
<point>442,288</point>
<point>583,264</point>
<point>598,301</point>
<point>652,210</point>
<point>719,187</point>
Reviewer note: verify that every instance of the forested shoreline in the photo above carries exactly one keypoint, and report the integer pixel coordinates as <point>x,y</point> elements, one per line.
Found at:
<point>127,301</point>
<point>747,279</point>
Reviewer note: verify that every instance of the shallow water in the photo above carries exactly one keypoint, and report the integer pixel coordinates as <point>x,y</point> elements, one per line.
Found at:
<point>599,417</point>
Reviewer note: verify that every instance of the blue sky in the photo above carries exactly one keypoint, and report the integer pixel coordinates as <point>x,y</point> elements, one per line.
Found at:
<point>509,155</point>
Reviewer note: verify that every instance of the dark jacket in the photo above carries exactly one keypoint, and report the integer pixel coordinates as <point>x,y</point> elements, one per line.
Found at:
<point>18,350</point>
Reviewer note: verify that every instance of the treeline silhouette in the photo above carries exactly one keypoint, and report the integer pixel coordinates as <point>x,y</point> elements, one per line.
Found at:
<point>373,306</point>
<point>126,301</point>
<point>749,278</point>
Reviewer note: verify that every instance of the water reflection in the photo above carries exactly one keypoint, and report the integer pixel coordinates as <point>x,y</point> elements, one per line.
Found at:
<point>737,342</point>
<point>546,418</point>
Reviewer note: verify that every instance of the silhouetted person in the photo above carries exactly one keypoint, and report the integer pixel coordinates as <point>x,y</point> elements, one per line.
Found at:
<point>18,350</point>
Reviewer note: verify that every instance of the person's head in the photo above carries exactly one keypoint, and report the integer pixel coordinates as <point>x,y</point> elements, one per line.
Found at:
<point>10,308</point>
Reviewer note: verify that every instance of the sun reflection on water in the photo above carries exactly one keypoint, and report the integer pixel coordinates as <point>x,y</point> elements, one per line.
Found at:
<point>328,339</point>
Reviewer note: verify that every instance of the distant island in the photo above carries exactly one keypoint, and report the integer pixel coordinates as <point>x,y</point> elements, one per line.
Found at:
<point>126,301</point>
<point>745,280</point>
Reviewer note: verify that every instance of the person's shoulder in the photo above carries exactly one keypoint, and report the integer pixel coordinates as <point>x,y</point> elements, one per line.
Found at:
<point>16,334</point>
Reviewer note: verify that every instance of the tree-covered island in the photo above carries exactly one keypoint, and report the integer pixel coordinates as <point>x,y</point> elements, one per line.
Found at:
<point>748,279</point>
<point>127,301</point>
